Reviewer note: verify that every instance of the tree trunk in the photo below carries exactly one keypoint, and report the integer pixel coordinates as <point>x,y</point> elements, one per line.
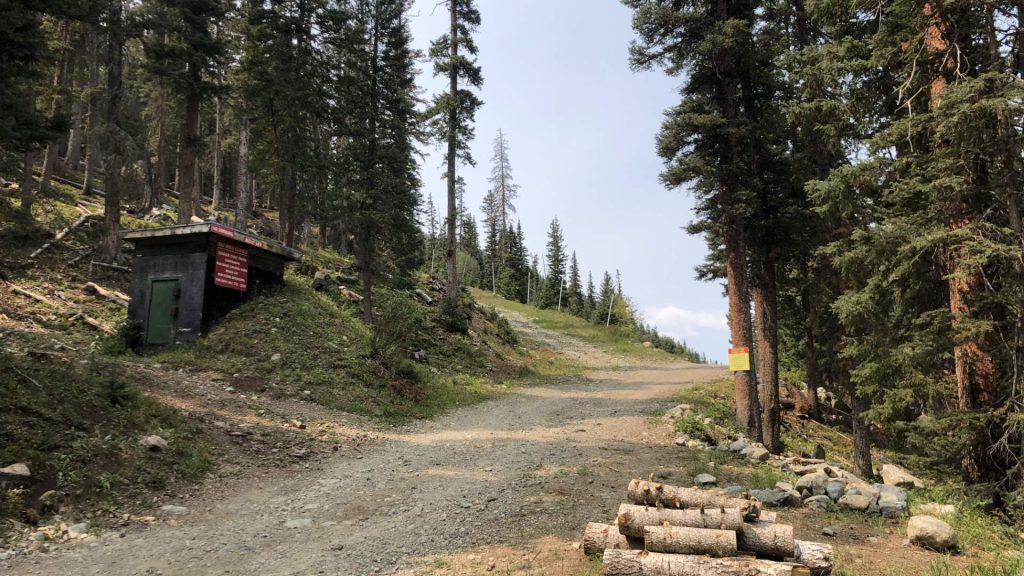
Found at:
<point>73,157</point>
<point>112,156</point>
<point>818,557</point>
<point>656,494</point>
<point>811,405</point>
<point>862,465</point>
<point>160,176</point>
<point>747,405</point>
<point>632,519</point>
<point>216,159</point>
<point>767,539</point>
<point>57,104</point>
<point>188,145</point>
<point>287,206</point>
<point>28,183</point>
<point>766,313</point>
<point>92,135</point>
<point>364,248</point>
<point>682,540</point>
<point>243,192</point>
<point>639,563</point>
<point>600,537</point>
<point>452,286</point>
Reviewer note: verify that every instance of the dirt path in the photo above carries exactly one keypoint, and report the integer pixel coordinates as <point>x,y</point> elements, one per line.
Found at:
<point>501,485</point>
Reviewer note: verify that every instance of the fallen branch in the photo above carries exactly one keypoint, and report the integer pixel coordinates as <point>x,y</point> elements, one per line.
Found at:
<point>61,234</point>
<point>111,266</point>
<point>26,377</point>
<point>101,292</point>
<point>95,323</point>
<point>33,296</point>
<point>80,256</point>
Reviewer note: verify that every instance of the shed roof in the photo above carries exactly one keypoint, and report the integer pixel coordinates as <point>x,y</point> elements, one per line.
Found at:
<point>213,228</point>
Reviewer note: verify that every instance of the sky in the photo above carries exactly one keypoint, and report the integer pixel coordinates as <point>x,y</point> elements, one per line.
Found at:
<point>581,127</point>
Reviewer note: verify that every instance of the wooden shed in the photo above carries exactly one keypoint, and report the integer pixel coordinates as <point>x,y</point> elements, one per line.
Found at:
<point>186,277</point>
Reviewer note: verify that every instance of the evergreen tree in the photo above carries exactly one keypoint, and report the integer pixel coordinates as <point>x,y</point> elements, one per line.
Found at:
<point>575,289</point>
<point>452,114</point>
<point>503,190</point>
<point>515,273</point>
<point>590,301</point>
<point>556,260</point>
<point>431,241</point>
<point>492,240</point>
<point>604,310</point>
<point>469,244</point>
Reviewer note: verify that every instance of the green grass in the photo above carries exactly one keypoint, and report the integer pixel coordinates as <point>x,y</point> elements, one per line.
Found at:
<point>612,339</point>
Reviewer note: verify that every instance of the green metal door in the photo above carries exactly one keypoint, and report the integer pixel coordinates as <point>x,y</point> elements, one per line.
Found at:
<point>163,304</point>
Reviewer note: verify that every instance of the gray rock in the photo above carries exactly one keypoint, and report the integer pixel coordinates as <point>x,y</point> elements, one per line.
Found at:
<point>784,486</point>
<point>812,484</point>
<point>931,533</point>
<point>739,445</point>
<point>769,498</point>
<point>696,444</point>
<point>819,503</point>
<point>756,453</point>
<point>705,480</point>
<point>78,530</point>
<point>792,498</point>
<point>855,502</point>
<point>153,443</point>
<point>734,490</point>
<point>899,476</point>
<point>828,531</point>
<point>892,500</point>
<point>172,510</point>
<point>835,487</point>
<point>298,523</point>
<point>681,440</point>
<point>819,452</point>
<point>723,447</point>
<point>16,475</point>
<point>419,356</point>
<point>935,509</point>
<point>276,357</point>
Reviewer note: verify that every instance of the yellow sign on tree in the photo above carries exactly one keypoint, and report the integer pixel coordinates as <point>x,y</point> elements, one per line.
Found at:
<point>739,359</point>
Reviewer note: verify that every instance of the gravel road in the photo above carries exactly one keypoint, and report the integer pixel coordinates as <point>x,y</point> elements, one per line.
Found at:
<point>538,462</point>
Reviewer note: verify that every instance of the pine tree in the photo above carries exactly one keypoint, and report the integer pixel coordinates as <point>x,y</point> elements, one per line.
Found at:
<point>604,306</point>
<point>183,53</point>
<point>492,240</point>
<point>590,301</point>
<point>576,298</point>
<point>430,244</point>
<point>556,260</point>
<point>452,114</point>
<point>469,244</point>
<point>504,191</point>
<point>515,273</point>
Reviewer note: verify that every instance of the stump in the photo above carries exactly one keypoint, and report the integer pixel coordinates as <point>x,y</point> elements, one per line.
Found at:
<point>632,519</point>
<point>654,493</point>
<point>816,556</point>
<point>638,563</point>
<point>600,537</point>
<point>682,540</point>
<point>767,539</point>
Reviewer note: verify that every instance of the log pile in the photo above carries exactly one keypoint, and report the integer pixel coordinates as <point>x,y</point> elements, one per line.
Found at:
<point>676,531</point>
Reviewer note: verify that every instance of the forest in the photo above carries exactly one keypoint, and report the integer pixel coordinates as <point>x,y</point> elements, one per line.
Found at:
<point>856,166</point>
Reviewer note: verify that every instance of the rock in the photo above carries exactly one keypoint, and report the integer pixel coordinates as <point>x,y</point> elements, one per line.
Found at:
<point>739,445</point>
<point>828,531</point>
<point>681,440</point>
<point>696,444</point>
<point>770,498</point>
<point>419,356</point>
<point>424,296</point>
<point>935,509</point>
<point>892,500</point>
<point>172,510</point>
<point>705,480</point>
<point>812,484</point>
<point>321,280</point>
<point>734,490</point>
<point>835,488</point>
<point>855,502</point>
<point>786,486</point>
<point>931,533</point>
<point>792,498</point>
<point>647,344</point>
<point>17,475</point>
<point>820,503</point>
<point>855,485</point>
<point>298,523</point>
<point>51,500</point>
<point>276,357</point>
<point>899,476</point>
<point>678,411</point>
<point>153,443</point>
<point>819,452</point>
<point>78,530</point>
<point>756,453</point>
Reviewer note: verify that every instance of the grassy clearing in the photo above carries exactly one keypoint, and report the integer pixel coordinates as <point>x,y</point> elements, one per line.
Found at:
<point>612,339</point>
<point>78,424</point>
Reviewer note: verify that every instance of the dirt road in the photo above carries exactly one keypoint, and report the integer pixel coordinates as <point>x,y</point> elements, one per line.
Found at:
<point>495,485</point>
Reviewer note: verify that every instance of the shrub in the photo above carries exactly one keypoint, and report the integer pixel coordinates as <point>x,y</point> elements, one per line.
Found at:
<point>399,321</point>
<point>506,332</point>
<point>453,317</point>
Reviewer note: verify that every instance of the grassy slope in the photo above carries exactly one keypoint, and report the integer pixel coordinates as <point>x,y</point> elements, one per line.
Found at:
<point>988,547</point>
<point>613,339</point>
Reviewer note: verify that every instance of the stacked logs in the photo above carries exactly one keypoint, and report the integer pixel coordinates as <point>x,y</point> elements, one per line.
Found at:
<point>675,531</point>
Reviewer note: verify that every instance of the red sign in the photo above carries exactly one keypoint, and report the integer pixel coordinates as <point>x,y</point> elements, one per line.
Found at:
<point>231,269</point>
<point>224,231</point>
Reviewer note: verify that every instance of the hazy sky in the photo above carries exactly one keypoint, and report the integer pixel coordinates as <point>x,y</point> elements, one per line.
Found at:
<point>581,126</point>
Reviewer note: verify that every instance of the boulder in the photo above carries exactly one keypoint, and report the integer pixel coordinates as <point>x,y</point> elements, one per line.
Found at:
<point>770,498</point>
<point>854,502</point>
<point>855,485</point>
<point>819,452</point>
<point>321,280</point>
<point>931,533</point>
<point>804,469</point>
<point>705,480</point>
<point>678,411</point>
<point>835,488</point>
<point>820,503</point>
<point>734,491</point>
<point>892,500</point>
<point>153,443</point>
<point>899,476</point>
<point>756,453</point>
<point>812,484</point>
<point>17,475</point>
<point>681,440</point>
<point>419,356</point>
<point>739,445</point>
<point>935,509</point>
